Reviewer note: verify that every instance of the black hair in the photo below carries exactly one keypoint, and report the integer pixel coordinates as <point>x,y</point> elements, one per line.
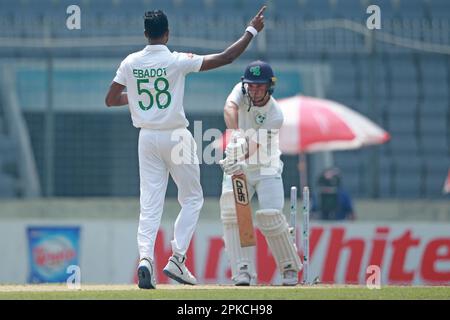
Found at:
<point>155,23</point>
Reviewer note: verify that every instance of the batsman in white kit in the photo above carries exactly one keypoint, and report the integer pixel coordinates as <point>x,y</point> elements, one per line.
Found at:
<point>253,150</point>
<point>155,80</point>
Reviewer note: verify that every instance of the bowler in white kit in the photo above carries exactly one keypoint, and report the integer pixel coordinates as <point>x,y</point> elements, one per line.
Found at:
<point>155,78</point>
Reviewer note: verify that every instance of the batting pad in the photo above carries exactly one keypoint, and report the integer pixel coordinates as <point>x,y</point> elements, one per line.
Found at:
<point>241,259</point>
<point>274,227</point>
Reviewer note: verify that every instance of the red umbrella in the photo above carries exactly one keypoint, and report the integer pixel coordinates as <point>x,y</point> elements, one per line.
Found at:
<point>312,124</point>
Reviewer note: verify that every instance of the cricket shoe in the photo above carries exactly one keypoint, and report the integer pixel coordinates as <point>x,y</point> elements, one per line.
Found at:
<point>176,269</point>
<point>146,277</point>
<point>243,278</point>
<point>289,278</point>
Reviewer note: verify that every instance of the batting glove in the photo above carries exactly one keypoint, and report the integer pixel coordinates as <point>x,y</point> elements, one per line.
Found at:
<point>237,150</point>
<point>231,167</point>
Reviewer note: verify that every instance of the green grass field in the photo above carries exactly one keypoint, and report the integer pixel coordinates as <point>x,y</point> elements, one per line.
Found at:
<point>213,292</point>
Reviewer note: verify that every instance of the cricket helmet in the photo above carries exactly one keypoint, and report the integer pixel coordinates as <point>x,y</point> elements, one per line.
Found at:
<point>259,72</point>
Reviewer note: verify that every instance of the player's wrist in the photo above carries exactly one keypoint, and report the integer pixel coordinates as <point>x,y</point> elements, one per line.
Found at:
<point>237,134</point>
<point>252,31</point>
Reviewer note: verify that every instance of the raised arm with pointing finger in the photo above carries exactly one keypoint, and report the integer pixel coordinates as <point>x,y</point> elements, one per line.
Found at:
<point>216,60</point>
<point>116,96</point>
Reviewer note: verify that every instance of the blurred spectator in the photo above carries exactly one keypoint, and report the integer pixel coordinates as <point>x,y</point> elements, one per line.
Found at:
<point>331,201</point>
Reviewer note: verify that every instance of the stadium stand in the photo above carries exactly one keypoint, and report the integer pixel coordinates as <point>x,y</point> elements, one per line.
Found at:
<point>409,87</point>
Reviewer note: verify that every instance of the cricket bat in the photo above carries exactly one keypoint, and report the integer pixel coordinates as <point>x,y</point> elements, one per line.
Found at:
<point>243,210</point>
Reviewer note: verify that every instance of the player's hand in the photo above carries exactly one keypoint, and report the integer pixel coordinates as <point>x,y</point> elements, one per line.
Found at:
<point>258,21</point>
<point>237,149</point>
<point>236,134</point>
<point>231,167</point>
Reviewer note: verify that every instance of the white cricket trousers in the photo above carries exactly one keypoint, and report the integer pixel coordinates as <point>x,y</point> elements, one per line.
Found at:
<point>155,163</point>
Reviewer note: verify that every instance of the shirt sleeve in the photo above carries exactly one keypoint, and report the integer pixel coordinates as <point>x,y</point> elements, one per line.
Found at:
<point>236,96</point>
<point>189,62</point>
<point>121,77</point>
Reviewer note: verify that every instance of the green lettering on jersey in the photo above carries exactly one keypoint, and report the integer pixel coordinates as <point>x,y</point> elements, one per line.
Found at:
<point>149,73</point>
<point>163,96</point>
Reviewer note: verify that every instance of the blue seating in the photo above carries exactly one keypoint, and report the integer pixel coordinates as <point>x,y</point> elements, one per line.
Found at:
<point>357,105</point>
<point>342,89</point>
<point>344,68</point>
<point>285,8</point>
<point>387,9</point>
<point>318,9</point>
<point>404,144</point>
<point>190,7</point>
<point>351,182</point>
<point>403,68</point>
<point>7,147</point>
<point>375,68</point>
<point>435,90</point>
<point>386,177</point>
<point>249,8</point>
<point>8,155</point>
<point>8,186</point>
<point>405,106</point>
<point>347,159</point>
<point>436,169</point>
<point>411,9</point>
<point>408,176</point>
<point>433,125</point>
<point>402,124</point>
<point>380,89</point>
<point>405,88</point>
<point>352,10</point>
<point>433,69</point>
<point>350,163</point>
<point>439,8</point>
<point>432,144</point>
<point>434,107</point>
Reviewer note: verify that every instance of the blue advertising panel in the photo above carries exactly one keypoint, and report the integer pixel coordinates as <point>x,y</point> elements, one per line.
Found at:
<point>51,250</point>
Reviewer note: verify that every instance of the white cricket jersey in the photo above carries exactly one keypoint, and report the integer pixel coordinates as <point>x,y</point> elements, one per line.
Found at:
<point>155,78</point>
<point>269,118</point>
